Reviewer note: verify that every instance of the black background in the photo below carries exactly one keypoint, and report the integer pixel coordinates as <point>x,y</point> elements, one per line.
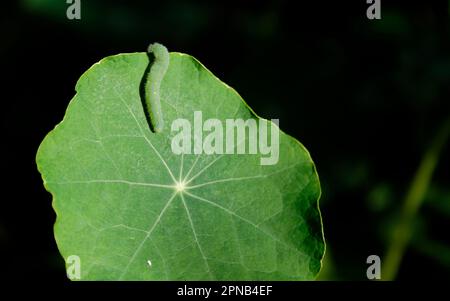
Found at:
<point>365,97</point>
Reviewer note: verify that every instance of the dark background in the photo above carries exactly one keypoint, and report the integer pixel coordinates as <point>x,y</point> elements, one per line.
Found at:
<point>366,97</point>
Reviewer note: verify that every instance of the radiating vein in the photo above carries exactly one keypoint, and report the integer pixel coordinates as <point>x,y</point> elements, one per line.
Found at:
<point>181,168</point>
<point>242,178</point>
<point>192,167</point>
<point>149,232</point>
<point>226,180</point>
<point>244,220</point>
<point>114,181</point>
<point>195,235</point>
<point>204,169</point>
<point>121,226</point>
<point>145,136</point>
<point>187,180</point>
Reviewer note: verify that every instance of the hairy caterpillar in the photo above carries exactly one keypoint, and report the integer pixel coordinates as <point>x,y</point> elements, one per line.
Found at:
<point>156,74</point>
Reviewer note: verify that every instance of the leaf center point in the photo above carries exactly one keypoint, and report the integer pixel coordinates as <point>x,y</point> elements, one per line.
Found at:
<point>180,186</point>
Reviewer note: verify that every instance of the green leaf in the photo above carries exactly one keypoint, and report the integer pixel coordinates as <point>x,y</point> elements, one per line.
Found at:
<point>114,186</point>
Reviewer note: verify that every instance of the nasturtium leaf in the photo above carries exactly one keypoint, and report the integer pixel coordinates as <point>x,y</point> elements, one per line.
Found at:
<point>132,209</point>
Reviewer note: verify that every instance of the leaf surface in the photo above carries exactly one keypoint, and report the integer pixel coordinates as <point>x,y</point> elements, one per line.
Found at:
<point>114,186</point>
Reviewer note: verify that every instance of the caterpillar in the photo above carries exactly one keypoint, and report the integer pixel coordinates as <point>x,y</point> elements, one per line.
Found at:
<point>152,85</point>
